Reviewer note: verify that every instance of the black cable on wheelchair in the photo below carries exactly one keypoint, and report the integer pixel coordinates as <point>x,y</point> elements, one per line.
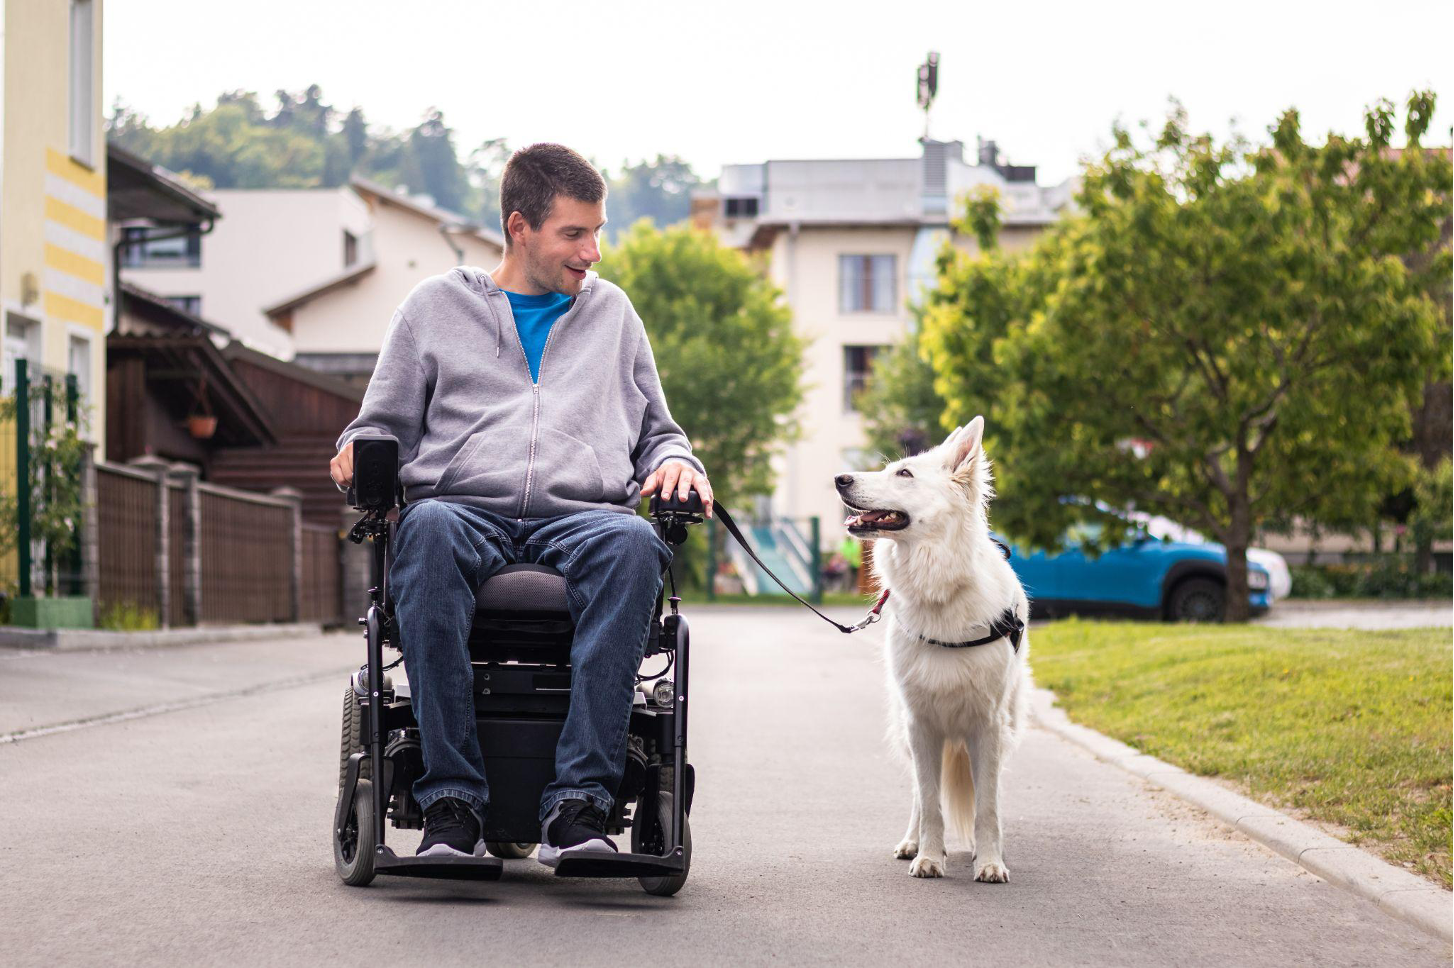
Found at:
<point>670,661</point>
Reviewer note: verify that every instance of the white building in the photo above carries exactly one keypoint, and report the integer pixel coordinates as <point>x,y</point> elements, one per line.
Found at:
<point>308,273</point>
<point>851,243</point>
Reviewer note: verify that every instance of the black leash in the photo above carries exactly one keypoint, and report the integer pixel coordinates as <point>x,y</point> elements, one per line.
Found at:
<point>731,526</point>
<point>1008,625</point>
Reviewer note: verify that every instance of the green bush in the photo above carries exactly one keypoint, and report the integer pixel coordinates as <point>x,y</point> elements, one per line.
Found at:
<point>129,617</point>
<point>1389,577</point>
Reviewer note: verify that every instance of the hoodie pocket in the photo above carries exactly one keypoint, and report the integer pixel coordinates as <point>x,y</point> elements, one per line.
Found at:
<point>566,469</point>
<point>490,464</point>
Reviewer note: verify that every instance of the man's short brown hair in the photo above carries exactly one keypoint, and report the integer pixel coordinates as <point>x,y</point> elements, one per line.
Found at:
<point>535,175</point>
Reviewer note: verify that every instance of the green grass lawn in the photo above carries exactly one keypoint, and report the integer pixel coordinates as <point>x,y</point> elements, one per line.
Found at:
<point>1352,728</point>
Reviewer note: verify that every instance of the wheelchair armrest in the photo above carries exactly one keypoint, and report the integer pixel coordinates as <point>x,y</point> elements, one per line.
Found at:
<point>375,484</point>
<point>673,505</point>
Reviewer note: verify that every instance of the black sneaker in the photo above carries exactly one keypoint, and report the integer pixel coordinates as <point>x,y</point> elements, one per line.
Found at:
<point>574,825</point>
<point>451,827</point>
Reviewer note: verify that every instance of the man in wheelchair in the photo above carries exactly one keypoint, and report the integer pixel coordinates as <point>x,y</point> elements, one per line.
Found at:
<point>530,421</point>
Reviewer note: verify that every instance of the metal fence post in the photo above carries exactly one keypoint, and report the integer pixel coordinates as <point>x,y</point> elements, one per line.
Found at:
<point>817,560</point>
<point>48,486</point>
<point>75,585</point>
<point>88,547</point>
<point>711,559</point>
<point>22,470</point>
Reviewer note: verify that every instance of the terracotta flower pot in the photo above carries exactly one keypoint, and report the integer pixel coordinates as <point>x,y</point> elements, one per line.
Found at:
<point>202,427</point>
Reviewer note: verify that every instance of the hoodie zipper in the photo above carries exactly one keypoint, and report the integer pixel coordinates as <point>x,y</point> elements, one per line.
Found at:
<point>535,394</point>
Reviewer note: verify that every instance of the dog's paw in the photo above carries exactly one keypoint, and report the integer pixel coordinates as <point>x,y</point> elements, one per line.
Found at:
<point>992,873</point>
<point>925,866</point>
<point>906,849</point>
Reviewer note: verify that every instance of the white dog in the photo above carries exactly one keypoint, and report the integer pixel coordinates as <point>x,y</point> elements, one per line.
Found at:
<point>956,708</point>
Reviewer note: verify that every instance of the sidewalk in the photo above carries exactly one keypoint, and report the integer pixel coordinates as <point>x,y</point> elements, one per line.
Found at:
<point>63,640</point>
<point>1359,614</point>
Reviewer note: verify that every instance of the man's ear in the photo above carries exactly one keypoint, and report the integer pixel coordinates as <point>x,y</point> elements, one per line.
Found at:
<point>963,444</point>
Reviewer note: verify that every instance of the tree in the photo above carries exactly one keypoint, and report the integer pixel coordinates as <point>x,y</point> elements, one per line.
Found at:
<point>901,410</point>
<point>1226,332</point>
<point>659,190</point>
<point>729,360</point>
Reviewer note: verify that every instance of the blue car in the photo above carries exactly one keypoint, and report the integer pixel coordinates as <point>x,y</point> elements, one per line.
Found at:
<point>1146,578</point>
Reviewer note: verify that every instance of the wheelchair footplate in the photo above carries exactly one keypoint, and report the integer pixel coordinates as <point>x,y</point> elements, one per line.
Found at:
<point>455,868</point>
<point>590,863</point>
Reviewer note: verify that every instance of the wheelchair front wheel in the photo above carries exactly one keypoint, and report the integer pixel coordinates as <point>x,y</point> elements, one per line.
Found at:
<point>510,851</point>
<point>648,836</point>
<point>353,846</point>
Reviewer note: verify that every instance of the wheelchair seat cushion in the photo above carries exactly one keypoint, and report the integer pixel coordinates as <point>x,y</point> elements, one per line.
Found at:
<point>523,588</point>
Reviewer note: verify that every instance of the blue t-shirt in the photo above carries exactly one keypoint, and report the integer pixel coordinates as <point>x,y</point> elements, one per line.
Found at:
<point>534,315</point>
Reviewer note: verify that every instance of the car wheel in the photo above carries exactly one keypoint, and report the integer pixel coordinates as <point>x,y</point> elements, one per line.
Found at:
<point>1197,600</point>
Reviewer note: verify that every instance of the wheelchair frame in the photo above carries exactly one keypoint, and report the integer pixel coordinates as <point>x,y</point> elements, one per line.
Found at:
<point>389,731</point>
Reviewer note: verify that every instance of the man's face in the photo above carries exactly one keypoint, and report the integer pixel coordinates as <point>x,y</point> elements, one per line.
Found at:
<point>555,257</point>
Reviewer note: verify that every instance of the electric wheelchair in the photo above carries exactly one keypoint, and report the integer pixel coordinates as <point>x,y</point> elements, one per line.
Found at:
<point>520,652</point>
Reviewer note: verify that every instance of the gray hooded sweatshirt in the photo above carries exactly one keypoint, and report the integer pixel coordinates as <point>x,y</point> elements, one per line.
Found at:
<point>452,386</point>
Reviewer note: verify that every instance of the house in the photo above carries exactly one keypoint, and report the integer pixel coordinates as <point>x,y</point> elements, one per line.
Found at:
<point>338,322</point>
<point>851,243</point>
<point>242,418</point>
<point>309,274</point>
<point>270,243</point>
<point>53,255</point>
<point>54,261</point>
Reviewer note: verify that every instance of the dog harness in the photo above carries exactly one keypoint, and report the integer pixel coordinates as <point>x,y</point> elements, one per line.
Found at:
<point>1008,625</point>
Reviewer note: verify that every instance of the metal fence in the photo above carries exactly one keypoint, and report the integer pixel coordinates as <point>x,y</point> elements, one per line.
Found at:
<point>41,399</point>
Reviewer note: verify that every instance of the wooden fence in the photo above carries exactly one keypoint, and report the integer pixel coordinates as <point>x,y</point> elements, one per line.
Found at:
<point>196,553</point>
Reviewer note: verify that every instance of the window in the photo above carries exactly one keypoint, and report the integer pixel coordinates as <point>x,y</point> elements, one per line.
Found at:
<point>857,365</point>
<point>350,248</point>
<point>78,362</point>
<point>22,342</point>
<point>83,77</point>
<point>740,207</point>
<point>141,252</point>
<point>187,304</point>
<point>866,283</point>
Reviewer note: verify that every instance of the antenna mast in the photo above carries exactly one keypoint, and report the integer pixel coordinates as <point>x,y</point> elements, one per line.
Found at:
<point>928,86</point>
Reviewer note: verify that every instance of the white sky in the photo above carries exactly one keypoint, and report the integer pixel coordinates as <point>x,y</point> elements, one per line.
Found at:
<point>752,80</point>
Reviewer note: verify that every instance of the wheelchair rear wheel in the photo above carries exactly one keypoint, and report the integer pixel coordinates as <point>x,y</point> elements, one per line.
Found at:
<point>648,836</point>
<point>353,846</point>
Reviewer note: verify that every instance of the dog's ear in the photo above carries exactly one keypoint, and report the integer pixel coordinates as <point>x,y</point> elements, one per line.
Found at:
<point>962,445</point>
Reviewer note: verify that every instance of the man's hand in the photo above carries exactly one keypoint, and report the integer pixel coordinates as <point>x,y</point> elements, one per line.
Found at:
<point>680,476</point>
<point>341,467</point>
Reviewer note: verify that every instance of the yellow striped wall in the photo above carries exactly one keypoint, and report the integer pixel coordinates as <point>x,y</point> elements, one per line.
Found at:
<point>54,256</point>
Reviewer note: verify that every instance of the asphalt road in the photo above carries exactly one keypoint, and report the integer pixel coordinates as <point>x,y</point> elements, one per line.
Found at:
<point>172,807</point>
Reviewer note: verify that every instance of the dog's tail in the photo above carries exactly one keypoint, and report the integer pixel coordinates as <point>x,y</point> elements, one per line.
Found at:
<point>958,786</point>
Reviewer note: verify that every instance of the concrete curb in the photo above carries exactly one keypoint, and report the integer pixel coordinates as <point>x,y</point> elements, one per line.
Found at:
<point>73,640</point>
<point>1406,896</point>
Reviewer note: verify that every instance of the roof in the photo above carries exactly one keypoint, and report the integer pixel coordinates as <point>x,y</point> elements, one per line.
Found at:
<point>455,220</point>
<point>235,351</point>
<point>337,281</point>
<point>188,359</point>
<point>135,188</point>
<point>157,309</point>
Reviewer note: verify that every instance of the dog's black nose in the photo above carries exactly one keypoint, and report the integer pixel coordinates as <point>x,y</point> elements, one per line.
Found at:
<point>843,480</point>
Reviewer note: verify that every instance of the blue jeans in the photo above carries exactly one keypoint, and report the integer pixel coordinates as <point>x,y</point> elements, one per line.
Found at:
<point>612,563</point>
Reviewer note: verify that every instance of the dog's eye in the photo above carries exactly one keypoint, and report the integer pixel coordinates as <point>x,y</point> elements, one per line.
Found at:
<point>904,472</point>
